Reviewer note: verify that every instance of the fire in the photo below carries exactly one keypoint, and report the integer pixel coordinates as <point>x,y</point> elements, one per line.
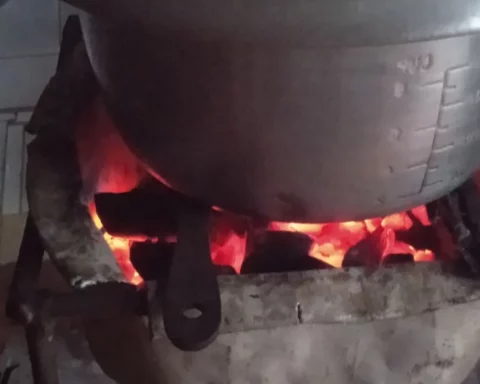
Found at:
<point>120,248</point>
<point>331,241</point>
<point>230,251</point>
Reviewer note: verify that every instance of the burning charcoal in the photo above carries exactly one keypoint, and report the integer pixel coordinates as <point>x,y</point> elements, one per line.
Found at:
<point>280,251</point>
<point>418,236</point>
<point>225,270</point>
<point>398,258</point>
<point>280,241</point>
<point>368,251</point>
<point>152,260</point>
<point>138,213</point>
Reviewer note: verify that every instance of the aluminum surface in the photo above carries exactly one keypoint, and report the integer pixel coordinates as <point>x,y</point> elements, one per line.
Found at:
<point>293,133</point>
<point>306,110</point>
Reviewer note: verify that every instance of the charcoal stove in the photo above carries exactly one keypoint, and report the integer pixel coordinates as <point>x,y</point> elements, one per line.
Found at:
<point>292,320</point>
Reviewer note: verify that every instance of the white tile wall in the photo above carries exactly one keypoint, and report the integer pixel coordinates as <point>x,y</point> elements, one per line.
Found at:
<point>23,79</point>
<point>30,33</point>
<point>3,144</point>
<point>13,161</point>
<point>7,116</point>
<point>12,188</point>
<point>27,139</point>
<point>29,28</point>
<point>23,117</point>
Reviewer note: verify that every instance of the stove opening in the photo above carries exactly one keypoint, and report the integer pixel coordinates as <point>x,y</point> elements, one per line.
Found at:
<point>348,243</point>
<point>239,245</point>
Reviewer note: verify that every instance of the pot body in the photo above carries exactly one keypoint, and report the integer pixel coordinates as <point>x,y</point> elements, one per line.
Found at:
<point>294,127</point>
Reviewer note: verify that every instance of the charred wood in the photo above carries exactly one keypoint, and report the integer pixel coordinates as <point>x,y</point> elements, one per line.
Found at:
<point>138,213</point>
<point>398,258</point>
<point>278,251</point>
<point>368,251</point>
<point>419,236</point>
<point>153,260</point>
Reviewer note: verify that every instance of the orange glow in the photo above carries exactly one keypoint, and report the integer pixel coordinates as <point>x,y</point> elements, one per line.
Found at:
<point>423,255</point>
<point>231,251</point>
<point>333,240</point>
<point>227,247</point>
<point>120,248</point>
<point>296,227</point>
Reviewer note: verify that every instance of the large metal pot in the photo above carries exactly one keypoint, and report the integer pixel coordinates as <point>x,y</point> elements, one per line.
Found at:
<point>305,110</point>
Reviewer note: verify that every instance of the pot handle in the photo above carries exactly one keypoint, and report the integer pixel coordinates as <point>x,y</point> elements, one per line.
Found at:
<point>192,306</point>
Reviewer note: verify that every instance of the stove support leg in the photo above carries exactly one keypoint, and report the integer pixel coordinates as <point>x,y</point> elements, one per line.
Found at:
<point>42,353</point>
<point>21,306</point>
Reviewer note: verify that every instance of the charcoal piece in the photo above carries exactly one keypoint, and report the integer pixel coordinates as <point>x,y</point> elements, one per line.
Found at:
<point>295,243</point>
<point>352,262</point>
<point>153,260</point>
<point>419,236</point>
<point>279,251</point>
<point>225,270</point>
<point>367,252</point>
<point>138,213</point>
<point>398,258</point>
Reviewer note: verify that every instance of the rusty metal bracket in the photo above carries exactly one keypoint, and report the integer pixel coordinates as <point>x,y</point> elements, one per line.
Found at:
<point>37,310</point>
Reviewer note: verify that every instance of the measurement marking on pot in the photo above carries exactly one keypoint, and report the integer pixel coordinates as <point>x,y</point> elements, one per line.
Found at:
<point>431,83</point>
<point>445,112</point>
<point>398,89</point>
<point>299,310</point>
<point>432,183</point>
<point>443,149</point>
<point>454,104</point>
<point>413,65</point>
<point>413,166</point>
<point>425,128</point>
<point>458,68</point>
<point>395,134</point>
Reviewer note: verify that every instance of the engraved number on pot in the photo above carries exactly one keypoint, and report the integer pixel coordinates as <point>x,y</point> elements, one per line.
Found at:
<point>416,64</point>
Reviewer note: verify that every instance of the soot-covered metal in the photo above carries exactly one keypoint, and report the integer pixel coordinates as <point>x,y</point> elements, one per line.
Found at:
<point>186,299</point>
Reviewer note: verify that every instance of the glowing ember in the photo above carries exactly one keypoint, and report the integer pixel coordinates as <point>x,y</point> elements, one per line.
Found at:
<point>230,251</point>
<point>331,240</point>
<point>120,248</point>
